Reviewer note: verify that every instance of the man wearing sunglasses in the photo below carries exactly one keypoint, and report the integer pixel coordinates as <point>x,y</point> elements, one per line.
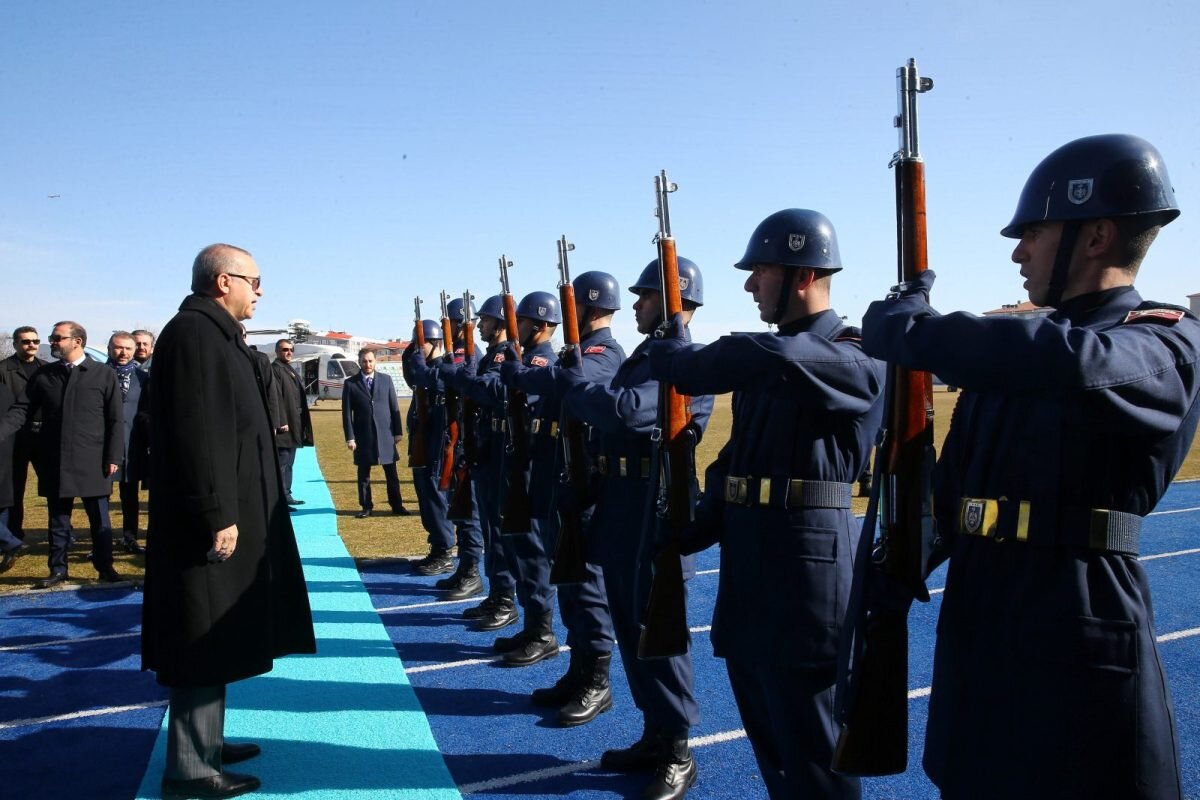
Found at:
<point>15,372</point>
<point>293,425</point>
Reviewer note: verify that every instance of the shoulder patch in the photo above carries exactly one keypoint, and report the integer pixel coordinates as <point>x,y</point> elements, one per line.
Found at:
<point>596,348</point>
<point>539,361</point>
<point>498,359</point>
<point>1160,315</point>
<point>848,334</point>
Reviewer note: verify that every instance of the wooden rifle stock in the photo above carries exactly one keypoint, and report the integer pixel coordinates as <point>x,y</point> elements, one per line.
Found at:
<point>417,457</point>
<point>570,554</point>
<point>874,724</point>
<point>450,446</point>
<point>665,630</point>
<point>516,512</point>
<point>462,505</point>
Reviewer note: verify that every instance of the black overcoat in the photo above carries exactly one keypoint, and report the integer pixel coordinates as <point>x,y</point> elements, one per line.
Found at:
<point>214,465</point>
<point>7,398</point>
<point>371,419</point>
<point>291,406</point>
<point>82,427</point>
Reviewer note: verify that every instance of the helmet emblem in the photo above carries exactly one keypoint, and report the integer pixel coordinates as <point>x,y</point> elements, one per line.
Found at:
<point>541,311</point>
<point>683,283</point>
<point>1079,191</point>
<point>593,294</point>
<point>796,242</point>
<point>973,516</point>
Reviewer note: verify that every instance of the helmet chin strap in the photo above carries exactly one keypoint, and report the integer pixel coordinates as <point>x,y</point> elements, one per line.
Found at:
<point>1062,263</point>
<point>785,289</point>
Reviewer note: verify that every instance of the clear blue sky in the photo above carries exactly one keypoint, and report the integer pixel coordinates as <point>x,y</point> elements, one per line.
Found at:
<point>366,152</point>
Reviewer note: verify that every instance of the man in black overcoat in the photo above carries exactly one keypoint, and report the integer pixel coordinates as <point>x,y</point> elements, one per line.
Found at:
<point>15,372</point>
<point>80,445</point>
<point>224,593</point>
<point>293,425</point>
<point>373,427</point>
<point>10,545</point>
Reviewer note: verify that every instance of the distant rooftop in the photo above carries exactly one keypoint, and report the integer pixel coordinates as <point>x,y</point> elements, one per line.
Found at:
<point>1022,309</point>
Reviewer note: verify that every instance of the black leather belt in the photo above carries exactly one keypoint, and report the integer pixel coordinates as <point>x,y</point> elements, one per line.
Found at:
<point>791,493</point>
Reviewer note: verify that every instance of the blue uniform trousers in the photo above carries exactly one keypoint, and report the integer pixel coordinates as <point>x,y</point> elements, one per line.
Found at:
<point>433,505</point>
<point>60,532</point>
<point>787,712</point>
<point>584,611</point>
<point>662,688</point>
<point>487,501</point>
<point>530,566</point>
<point>469,533</point>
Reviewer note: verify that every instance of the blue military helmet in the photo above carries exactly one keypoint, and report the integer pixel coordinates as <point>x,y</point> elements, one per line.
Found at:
<point>454,310</point>
<point>597,290</point>
<point>794,237</point>
<point>433,330</point>
<point>541,306</point>
<point>1112,175</point>
<point>493,307</point>
<point>691,282</point>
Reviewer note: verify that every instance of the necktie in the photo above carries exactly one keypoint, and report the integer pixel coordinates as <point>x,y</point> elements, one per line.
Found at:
<point>370,384</point>
<point>124,377</point>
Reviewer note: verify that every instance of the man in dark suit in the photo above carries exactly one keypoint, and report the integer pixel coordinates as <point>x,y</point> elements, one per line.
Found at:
<point>293,425</point>
<point>82,442</point>
<point>373,428</point>
<point>10,546</point>
<point>132,381</point>
<point>15,372</point>
<point>224,592</point>
<point>143,341</point>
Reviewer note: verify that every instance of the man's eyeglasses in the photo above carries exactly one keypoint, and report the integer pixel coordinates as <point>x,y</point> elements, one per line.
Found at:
<point>255,281</point>
<point>55,339</point>
<point>286,350</point>
<point>29,341</point>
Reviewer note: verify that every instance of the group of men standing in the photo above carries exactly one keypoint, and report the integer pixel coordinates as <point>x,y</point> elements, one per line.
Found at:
<point>1068,431</point>
<point>82,426</point>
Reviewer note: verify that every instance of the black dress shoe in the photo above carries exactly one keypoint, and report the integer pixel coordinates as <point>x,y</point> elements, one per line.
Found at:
<point>233,752</point>
<point>226,784</point>
<point>10,557</point>
<point>401,512</point>
<point>53,580</point>
<point>501,614</point>
<point>366,512</point>
<point>131,546</point>
<point>294,502</point>
<point>110,575</point>
<point>436,566</point>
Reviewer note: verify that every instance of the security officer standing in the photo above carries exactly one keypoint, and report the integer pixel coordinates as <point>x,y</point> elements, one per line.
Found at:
<point>293,425</point>
<point>482,384</point>
<point>528,553</point>
<point>466,581</point>
<point>431,501</point>
<point>584,691</point>
<point>624,412</point>
<point>15,372</point>
<point>806,407</point>
<point>1046,678</point>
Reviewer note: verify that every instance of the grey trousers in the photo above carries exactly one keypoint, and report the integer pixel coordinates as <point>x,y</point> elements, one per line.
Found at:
<point>195,732</point>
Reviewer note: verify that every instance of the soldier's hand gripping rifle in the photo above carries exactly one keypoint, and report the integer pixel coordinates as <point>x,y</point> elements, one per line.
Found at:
<point>450,445</point>
<point>515,509</point>
<point>570,555</point>
<point>873,694</point>
<point>665,630</point>
<point>417,457</point>
<point>462,504</point>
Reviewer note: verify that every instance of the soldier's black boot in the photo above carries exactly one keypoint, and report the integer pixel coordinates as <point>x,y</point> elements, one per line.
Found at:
<point>468,585</point>
<point>594,696</point>
<point>440,562</point>
<point>674,774</point>
<point>644,754</point>
<point>451,580</point>
<point>502,614</point>
<point>564,689</point>
<point>539,643</point>
<point>484,608</point>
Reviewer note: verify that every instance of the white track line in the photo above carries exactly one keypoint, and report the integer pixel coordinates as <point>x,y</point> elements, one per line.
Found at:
<point>53,642</point>
<point>434,604</point>
<point>1174,511</point>
<point>699,741</point>
<point>91,712</point>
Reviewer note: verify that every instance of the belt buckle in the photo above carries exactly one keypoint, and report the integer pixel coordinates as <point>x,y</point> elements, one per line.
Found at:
<point>735,490</point>
<point>535,426</point>
<point>623,466</point>
<point>602,464</point>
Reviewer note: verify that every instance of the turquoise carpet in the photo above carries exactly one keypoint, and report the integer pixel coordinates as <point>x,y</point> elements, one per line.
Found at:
<point>344,723</point>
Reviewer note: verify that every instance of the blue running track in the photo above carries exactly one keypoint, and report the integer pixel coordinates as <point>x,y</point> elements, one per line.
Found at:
<point>78,720</point>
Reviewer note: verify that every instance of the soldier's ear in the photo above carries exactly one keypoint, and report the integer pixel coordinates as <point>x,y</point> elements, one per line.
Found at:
<point>1100,238</point>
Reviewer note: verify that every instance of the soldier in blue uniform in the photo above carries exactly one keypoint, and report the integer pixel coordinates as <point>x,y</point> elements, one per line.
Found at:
<point>806,406</point>
<point>482,385</point>
<point>466,581</point>
<point>1046,679</point>
<point>624,414</point>
<point>431,500</point>
<point>583,691</point>
<point>528,553</point>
